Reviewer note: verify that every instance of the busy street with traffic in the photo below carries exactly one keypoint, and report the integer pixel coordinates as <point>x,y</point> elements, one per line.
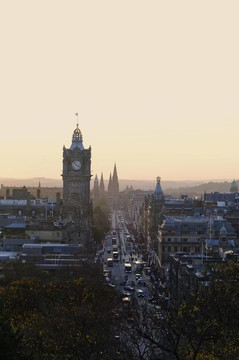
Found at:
<point>123,264</point>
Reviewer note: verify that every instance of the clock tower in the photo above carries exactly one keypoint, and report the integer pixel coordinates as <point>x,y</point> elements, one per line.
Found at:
<point>76,177</point>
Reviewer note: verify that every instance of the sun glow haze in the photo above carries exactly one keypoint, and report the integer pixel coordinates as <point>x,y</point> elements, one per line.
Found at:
<point>155,83</point>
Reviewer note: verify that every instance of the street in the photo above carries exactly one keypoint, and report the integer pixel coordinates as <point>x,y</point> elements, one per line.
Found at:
<point>135,282</point>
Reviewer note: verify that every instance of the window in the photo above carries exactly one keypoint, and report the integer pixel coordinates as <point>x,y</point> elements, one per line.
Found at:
<point>169,239</point>
<point>175,248</point>
<point>169,248</point>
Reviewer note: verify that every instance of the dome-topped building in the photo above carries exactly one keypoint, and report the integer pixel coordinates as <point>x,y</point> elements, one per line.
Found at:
<point>77,140</point>
<point>158,193</point>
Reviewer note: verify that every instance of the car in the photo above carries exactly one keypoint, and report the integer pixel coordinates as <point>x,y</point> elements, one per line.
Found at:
<point>137,276</point>
<point>126,301</point>
<point>140,281</point>
<point>111,285</point>
<point>140,293</point>
<point>153,301</point>
<point>128,288</point>
<point>126,294</point>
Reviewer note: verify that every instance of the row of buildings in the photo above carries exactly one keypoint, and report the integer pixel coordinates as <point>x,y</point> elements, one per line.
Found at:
<point>184,237</point>
<point>195,230</point>
<point>60,217</point>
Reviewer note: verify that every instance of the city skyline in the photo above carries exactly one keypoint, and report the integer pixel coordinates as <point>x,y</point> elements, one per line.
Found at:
<point>155,86</point>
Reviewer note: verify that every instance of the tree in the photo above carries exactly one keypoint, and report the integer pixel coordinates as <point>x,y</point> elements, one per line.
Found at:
<point>59,320</point>
<point>101,220</point>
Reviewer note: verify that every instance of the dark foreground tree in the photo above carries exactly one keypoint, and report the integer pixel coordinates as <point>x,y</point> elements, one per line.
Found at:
<point>203,327</point>
<point>81,317</point>
<point>58,320</point>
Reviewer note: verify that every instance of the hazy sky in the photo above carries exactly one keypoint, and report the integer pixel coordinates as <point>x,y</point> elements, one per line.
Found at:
<point>155,83</point>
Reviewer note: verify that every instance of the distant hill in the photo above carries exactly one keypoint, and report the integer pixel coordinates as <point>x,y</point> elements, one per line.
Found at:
<point>173,188</point>
<point>45,182</point>
<point>150,184</point>
<point>199,190</point>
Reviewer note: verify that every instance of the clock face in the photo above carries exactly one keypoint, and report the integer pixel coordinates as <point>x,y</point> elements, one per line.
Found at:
<point>76,165</point>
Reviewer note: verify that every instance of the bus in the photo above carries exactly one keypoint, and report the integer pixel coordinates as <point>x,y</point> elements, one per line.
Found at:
<point>109,262</point>
<point>128,267</point>
<point>115,247</point>
<point>115,255</point>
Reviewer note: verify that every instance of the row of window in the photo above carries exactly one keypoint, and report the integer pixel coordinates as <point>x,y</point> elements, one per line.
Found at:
<point>184,240</point>
<point>195,249</point>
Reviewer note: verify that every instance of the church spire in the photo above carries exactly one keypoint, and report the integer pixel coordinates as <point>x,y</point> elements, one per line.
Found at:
<point>115,181</point>
<point>102,186</point>
<point>110,184</point>
<point>96,188</point>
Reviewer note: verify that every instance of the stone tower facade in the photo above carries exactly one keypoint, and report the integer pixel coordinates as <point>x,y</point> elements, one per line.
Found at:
<point>76,177</point>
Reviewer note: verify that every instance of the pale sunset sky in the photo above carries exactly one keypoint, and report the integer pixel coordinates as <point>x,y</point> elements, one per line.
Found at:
<point>155,83</point>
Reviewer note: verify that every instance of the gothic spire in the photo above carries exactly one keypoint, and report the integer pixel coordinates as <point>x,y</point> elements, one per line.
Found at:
<point>110,184</point>
<point>115,181</point>
<point>96,187</point>
<point>102,186</point>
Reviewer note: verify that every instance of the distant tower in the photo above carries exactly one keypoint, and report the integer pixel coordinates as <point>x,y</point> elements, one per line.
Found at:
<point>234,187</point>
<point>96,188</point>
<point>39,191</point>
<point>110,185</point>
<point>156,213</point>
<point>113,190</point>
<point>115,181</point>
<point>102,187</point>
<point>158,193</point>
<point>76,181</point>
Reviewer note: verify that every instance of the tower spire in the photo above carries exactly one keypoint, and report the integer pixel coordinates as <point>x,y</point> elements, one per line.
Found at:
<point>115,181</point>
<point>77,140</point>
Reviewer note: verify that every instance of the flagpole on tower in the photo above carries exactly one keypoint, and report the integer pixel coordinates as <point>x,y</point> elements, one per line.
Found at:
<point>76,114</point>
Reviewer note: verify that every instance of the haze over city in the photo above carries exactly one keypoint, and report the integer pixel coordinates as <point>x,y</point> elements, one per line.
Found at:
<point>155,85</point>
